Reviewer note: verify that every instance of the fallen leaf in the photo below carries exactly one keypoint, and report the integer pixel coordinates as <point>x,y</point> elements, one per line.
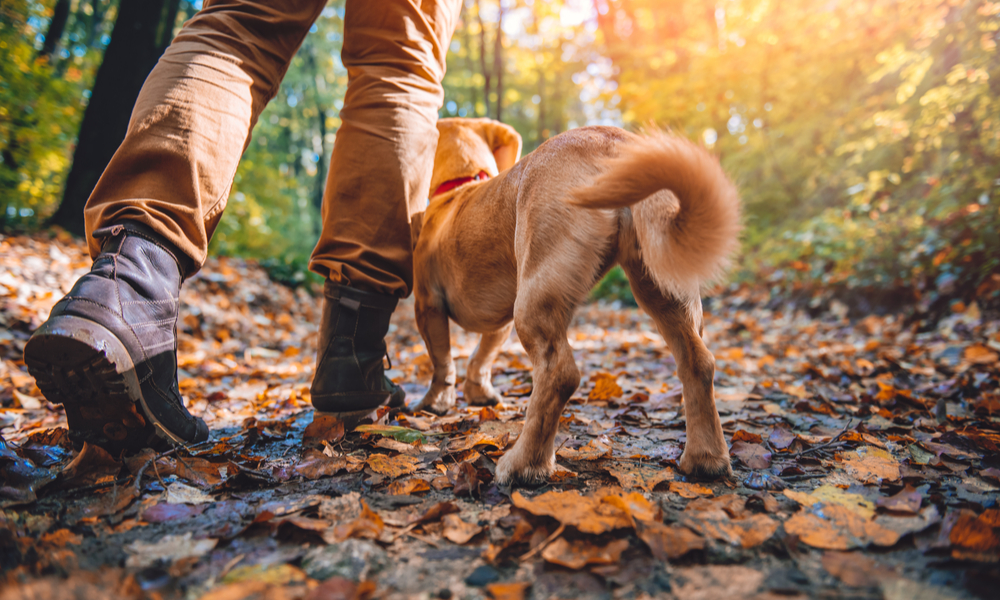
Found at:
<point>91,466</point>
<point>323,428</point>
<point>464,479</point>
<point>487,413</point>
<point>669,542</point>
<point>836,527</point>
<point>605,387</point>
<point>407,487</point>
<point>781,438</point>
<point>578,554</point>
<point>436,512</point>
<point>181,493</point>
<point>717,582</point>
<point>855,570</point>
<point>164,512</point>
<point>870,465</point>
<point>368,525</point>
<point>833,495</point>
<point>400,434</point>
<point>457,530</point>
<point>508,591</point>
<point>586,513</point>
<point>742,435</point>
<point>594,450</point>
<point>689,490</point>
<point>315,464</point>
<point>973,538</point>
<point>169,548</point>
<point>754,456</point>
<point>907,500</point>
<point>630,475</point>
<point>392,466</point>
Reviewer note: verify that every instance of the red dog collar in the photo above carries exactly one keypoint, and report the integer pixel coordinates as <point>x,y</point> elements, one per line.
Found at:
<point>454,183</point>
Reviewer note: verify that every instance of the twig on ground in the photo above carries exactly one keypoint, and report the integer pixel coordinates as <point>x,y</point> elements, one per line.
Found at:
<point>826,444</point>
<point>546,542</point>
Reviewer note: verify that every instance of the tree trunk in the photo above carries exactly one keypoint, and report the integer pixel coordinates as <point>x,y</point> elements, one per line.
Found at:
<point>142,32</point>
<point>482,60</point>
<point>498,60</point>
<point>60,15</point>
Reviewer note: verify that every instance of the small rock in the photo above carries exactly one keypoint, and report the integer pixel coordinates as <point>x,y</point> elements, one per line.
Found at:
<point>482,576</point>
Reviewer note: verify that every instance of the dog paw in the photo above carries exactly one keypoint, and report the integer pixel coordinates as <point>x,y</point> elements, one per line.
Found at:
<point>481,394</point>
<point>514,468</point>
<point>705,465</point>
<point>438,400</point>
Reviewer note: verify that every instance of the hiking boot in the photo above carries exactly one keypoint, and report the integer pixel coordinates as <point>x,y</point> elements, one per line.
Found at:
<point>108,352</point>
<point>350,376</point>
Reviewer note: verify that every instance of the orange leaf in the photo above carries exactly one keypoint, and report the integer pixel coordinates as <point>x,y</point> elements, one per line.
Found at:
<point>586,513</point>
<point>594,450</point>
<point>508,591</point>
<point>407,487</point>
<point>669,542</point>
<point>836,527</point>
<point>870,465</point>
<point>689,490</point>
<point>458,531</point>
<point>605,387</point>
<point>392,466</point>
<point>636,475</point>
<point>576,555</point>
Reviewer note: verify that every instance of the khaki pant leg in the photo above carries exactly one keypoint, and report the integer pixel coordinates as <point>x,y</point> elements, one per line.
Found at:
<point>193,118</point>
<point>380,171</point>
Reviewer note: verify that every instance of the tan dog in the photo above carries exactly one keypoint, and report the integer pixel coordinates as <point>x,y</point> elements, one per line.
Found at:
<point>526,246</point>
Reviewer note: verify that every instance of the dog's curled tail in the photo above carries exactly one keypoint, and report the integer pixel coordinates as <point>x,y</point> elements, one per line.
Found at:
<point>686,237</point>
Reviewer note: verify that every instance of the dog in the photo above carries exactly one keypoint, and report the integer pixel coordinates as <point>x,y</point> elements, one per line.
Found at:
<point>519,243</point>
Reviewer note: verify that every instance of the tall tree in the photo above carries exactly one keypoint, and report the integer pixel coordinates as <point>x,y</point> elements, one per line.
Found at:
<point>57,25</point>
<point>498,60</point>
<point>142,32</point>
<point>482,58</point>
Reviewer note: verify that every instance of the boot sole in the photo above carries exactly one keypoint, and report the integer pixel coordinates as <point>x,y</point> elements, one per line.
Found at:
<point>83,366</point>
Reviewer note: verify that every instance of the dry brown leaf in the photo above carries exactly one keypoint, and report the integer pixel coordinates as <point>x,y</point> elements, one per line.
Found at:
<point>465,479</point>
<point>855,570</point>
<point>748,532</point>
<point>689,490</point>
<point>754,456</point>
<point>392,466</point>
<point>594,450</point>
<point>870,465</point>
<point>907,500</point>
<point>457,530</point>
<point>973,538</point>
<point>742,435</point>
<point>323,428</point>
<point>487,413</point>
<point>833,495</point>
<point>578,554</point>
<point>587,514</point>
<point>407,487</point>
<point>669,542</point>
<point>632,475</point>
<point>368,525</point>
<point>836,527</point>
<point>314,464</point>
<point>508,591</point>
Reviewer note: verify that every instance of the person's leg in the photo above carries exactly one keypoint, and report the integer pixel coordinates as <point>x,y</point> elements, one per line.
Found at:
<point>108,351</point>
<point>380,174</point>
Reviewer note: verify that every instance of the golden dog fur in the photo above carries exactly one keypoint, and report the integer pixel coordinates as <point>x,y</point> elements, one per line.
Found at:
<point>524,248</point>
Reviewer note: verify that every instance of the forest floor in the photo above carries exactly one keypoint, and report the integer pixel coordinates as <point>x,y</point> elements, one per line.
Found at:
<point>865,455</point>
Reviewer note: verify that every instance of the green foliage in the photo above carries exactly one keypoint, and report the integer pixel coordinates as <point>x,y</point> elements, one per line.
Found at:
<point>614,286</point>
<point>41,105</point>
<point>865,135</point>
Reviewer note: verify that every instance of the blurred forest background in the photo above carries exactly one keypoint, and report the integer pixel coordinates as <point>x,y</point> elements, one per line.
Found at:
<point>865,134</point>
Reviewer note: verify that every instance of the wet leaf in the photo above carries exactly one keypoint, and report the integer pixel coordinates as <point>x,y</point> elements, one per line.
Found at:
<point>323,428</point>
<point>594,450</point>
<point>833,495</point>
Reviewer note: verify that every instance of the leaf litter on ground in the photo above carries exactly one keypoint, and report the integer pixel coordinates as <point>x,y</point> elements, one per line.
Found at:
<point>847,438</point>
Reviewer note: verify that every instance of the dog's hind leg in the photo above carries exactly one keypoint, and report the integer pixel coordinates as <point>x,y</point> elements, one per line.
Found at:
<point>680,324</point>
<point>432,322</point>
<point>478,388</point>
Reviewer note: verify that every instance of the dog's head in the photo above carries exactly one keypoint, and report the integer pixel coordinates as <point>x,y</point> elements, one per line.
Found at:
<point>467,147</point>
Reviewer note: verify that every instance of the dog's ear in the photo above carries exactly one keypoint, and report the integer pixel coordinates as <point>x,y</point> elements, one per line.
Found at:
<point>504,141</point>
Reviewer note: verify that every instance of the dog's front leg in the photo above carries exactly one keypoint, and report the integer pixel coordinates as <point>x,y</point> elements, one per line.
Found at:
<point>432,322</point>
<point>478,388</point>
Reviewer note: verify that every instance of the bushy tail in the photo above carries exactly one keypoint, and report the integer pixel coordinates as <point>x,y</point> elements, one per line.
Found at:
<point>686,210</point>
